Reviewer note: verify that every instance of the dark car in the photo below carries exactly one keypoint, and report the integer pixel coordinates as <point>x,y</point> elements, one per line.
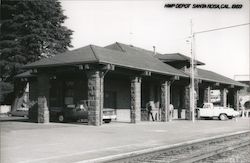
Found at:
<point>20,112</point>
<point>68,113</point>
<point>78,112</point>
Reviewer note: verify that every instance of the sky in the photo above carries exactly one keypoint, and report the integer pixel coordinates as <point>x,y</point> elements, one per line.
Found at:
<point>146,23</point>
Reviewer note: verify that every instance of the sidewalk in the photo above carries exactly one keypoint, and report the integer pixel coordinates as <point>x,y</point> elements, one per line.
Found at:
<point>55,142</point>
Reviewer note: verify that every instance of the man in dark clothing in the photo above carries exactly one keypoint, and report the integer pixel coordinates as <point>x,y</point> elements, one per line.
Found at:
<point>149,108</point>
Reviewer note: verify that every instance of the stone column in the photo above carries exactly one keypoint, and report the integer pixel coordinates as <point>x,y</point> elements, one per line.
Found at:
<point>207,94</point>
<point>223,97</point>
<point>95,96</point>
<point>236,100</point>
<point>165,101</point>
<point>43,98</point>
<point>187,102</point>
<point>135,112</point>
<point>101,96</point>
<point>196,94</point>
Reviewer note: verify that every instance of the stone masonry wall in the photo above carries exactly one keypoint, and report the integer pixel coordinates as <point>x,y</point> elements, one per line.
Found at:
<point>95,97</point>
<point>187,99</point>
<point>135,112</point>
<point>223,97</point>
<point>165,101</point>
<point>236,100</point>
<point>43,98</point>
<point>207,96</point>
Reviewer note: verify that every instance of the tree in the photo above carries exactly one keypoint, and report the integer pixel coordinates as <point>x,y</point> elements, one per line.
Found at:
<point>30,30</point>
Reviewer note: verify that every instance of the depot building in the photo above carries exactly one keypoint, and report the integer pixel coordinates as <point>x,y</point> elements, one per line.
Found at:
<point>124,78</point>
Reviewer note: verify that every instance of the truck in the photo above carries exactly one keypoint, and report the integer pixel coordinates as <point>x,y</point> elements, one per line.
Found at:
<point>210,111</point>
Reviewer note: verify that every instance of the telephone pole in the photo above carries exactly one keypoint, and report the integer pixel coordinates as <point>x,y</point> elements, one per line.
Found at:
<point>192,93</point>
<point>192,53</point>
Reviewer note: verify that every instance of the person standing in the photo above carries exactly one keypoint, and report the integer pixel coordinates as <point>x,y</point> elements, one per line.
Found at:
<point>171,112</point>
<point>150,112</point>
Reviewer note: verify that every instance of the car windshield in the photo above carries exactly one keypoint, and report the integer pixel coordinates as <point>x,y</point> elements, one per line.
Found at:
<point>207,106</point>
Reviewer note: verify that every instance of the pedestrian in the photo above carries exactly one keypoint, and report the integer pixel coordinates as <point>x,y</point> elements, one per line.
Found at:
<point>171,112</point>
<point>149,109</point>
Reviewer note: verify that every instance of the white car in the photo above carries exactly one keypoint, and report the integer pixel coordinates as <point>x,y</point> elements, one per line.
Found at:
<point>108,115</point>
<point>210,111</point>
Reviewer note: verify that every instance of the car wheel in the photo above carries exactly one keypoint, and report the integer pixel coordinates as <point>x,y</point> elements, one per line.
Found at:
<point>61,118</point>
<point>107,120</point>
<point>223,117</point>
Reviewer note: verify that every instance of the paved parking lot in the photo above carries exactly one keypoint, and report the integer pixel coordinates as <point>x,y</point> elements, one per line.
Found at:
<point>22,141</point>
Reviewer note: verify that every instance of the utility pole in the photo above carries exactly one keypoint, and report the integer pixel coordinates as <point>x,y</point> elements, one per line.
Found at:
<point>192,102</point>
<point>192,53</point>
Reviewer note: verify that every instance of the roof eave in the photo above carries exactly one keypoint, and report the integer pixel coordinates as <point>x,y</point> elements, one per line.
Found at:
<point>57,65</point>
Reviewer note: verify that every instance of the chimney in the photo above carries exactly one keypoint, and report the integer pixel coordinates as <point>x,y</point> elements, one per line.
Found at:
<point>154,50</point>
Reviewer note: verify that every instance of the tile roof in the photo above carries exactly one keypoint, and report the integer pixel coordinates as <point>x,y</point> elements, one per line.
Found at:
<point>77,56</point>
<point>142,59</point>
<point>26,74</point>
<point>176,57</point>
<point>214,77</point>
<point>128,58</point>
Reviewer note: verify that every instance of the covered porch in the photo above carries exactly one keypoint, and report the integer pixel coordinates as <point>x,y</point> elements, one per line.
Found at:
<point>104,78</point>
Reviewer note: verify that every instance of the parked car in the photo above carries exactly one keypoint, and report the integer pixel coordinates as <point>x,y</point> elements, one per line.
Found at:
<point>210,111</point>
<point>108,115</point>
<point>79,112</point>
<point>19,112</point>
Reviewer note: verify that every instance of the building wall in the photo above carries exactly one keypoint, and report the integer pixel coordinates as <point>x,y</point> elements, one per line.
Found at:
<point>33,90</point>
<point>33,94</point>
<point>121,88</point>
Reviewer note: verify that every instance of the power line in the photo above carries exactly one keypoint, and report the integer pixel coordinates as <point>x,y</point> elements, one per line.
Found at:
<point>217,29</point>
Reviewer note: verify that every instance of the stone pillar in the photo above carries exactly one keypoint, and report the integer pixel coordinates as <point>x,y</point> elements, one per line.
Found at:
<point>196,94</point>
<point>43,98</point>
<point>165,101</point>
<point>223,97</point>
<point>236,100</point>
<point>207,94</point>
<point>187,102</point>
<point>95,96</point>
<point>101,96</point>
<point>135,112</point>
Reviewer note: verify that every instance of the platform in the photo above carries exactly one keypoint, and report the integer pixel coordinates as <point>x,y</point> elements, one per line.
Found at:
<point>30,142</point>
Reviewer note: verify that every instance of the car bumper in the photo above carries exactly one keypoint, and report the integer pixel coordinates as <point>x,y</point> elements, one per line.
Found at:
<point>109,117</point>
